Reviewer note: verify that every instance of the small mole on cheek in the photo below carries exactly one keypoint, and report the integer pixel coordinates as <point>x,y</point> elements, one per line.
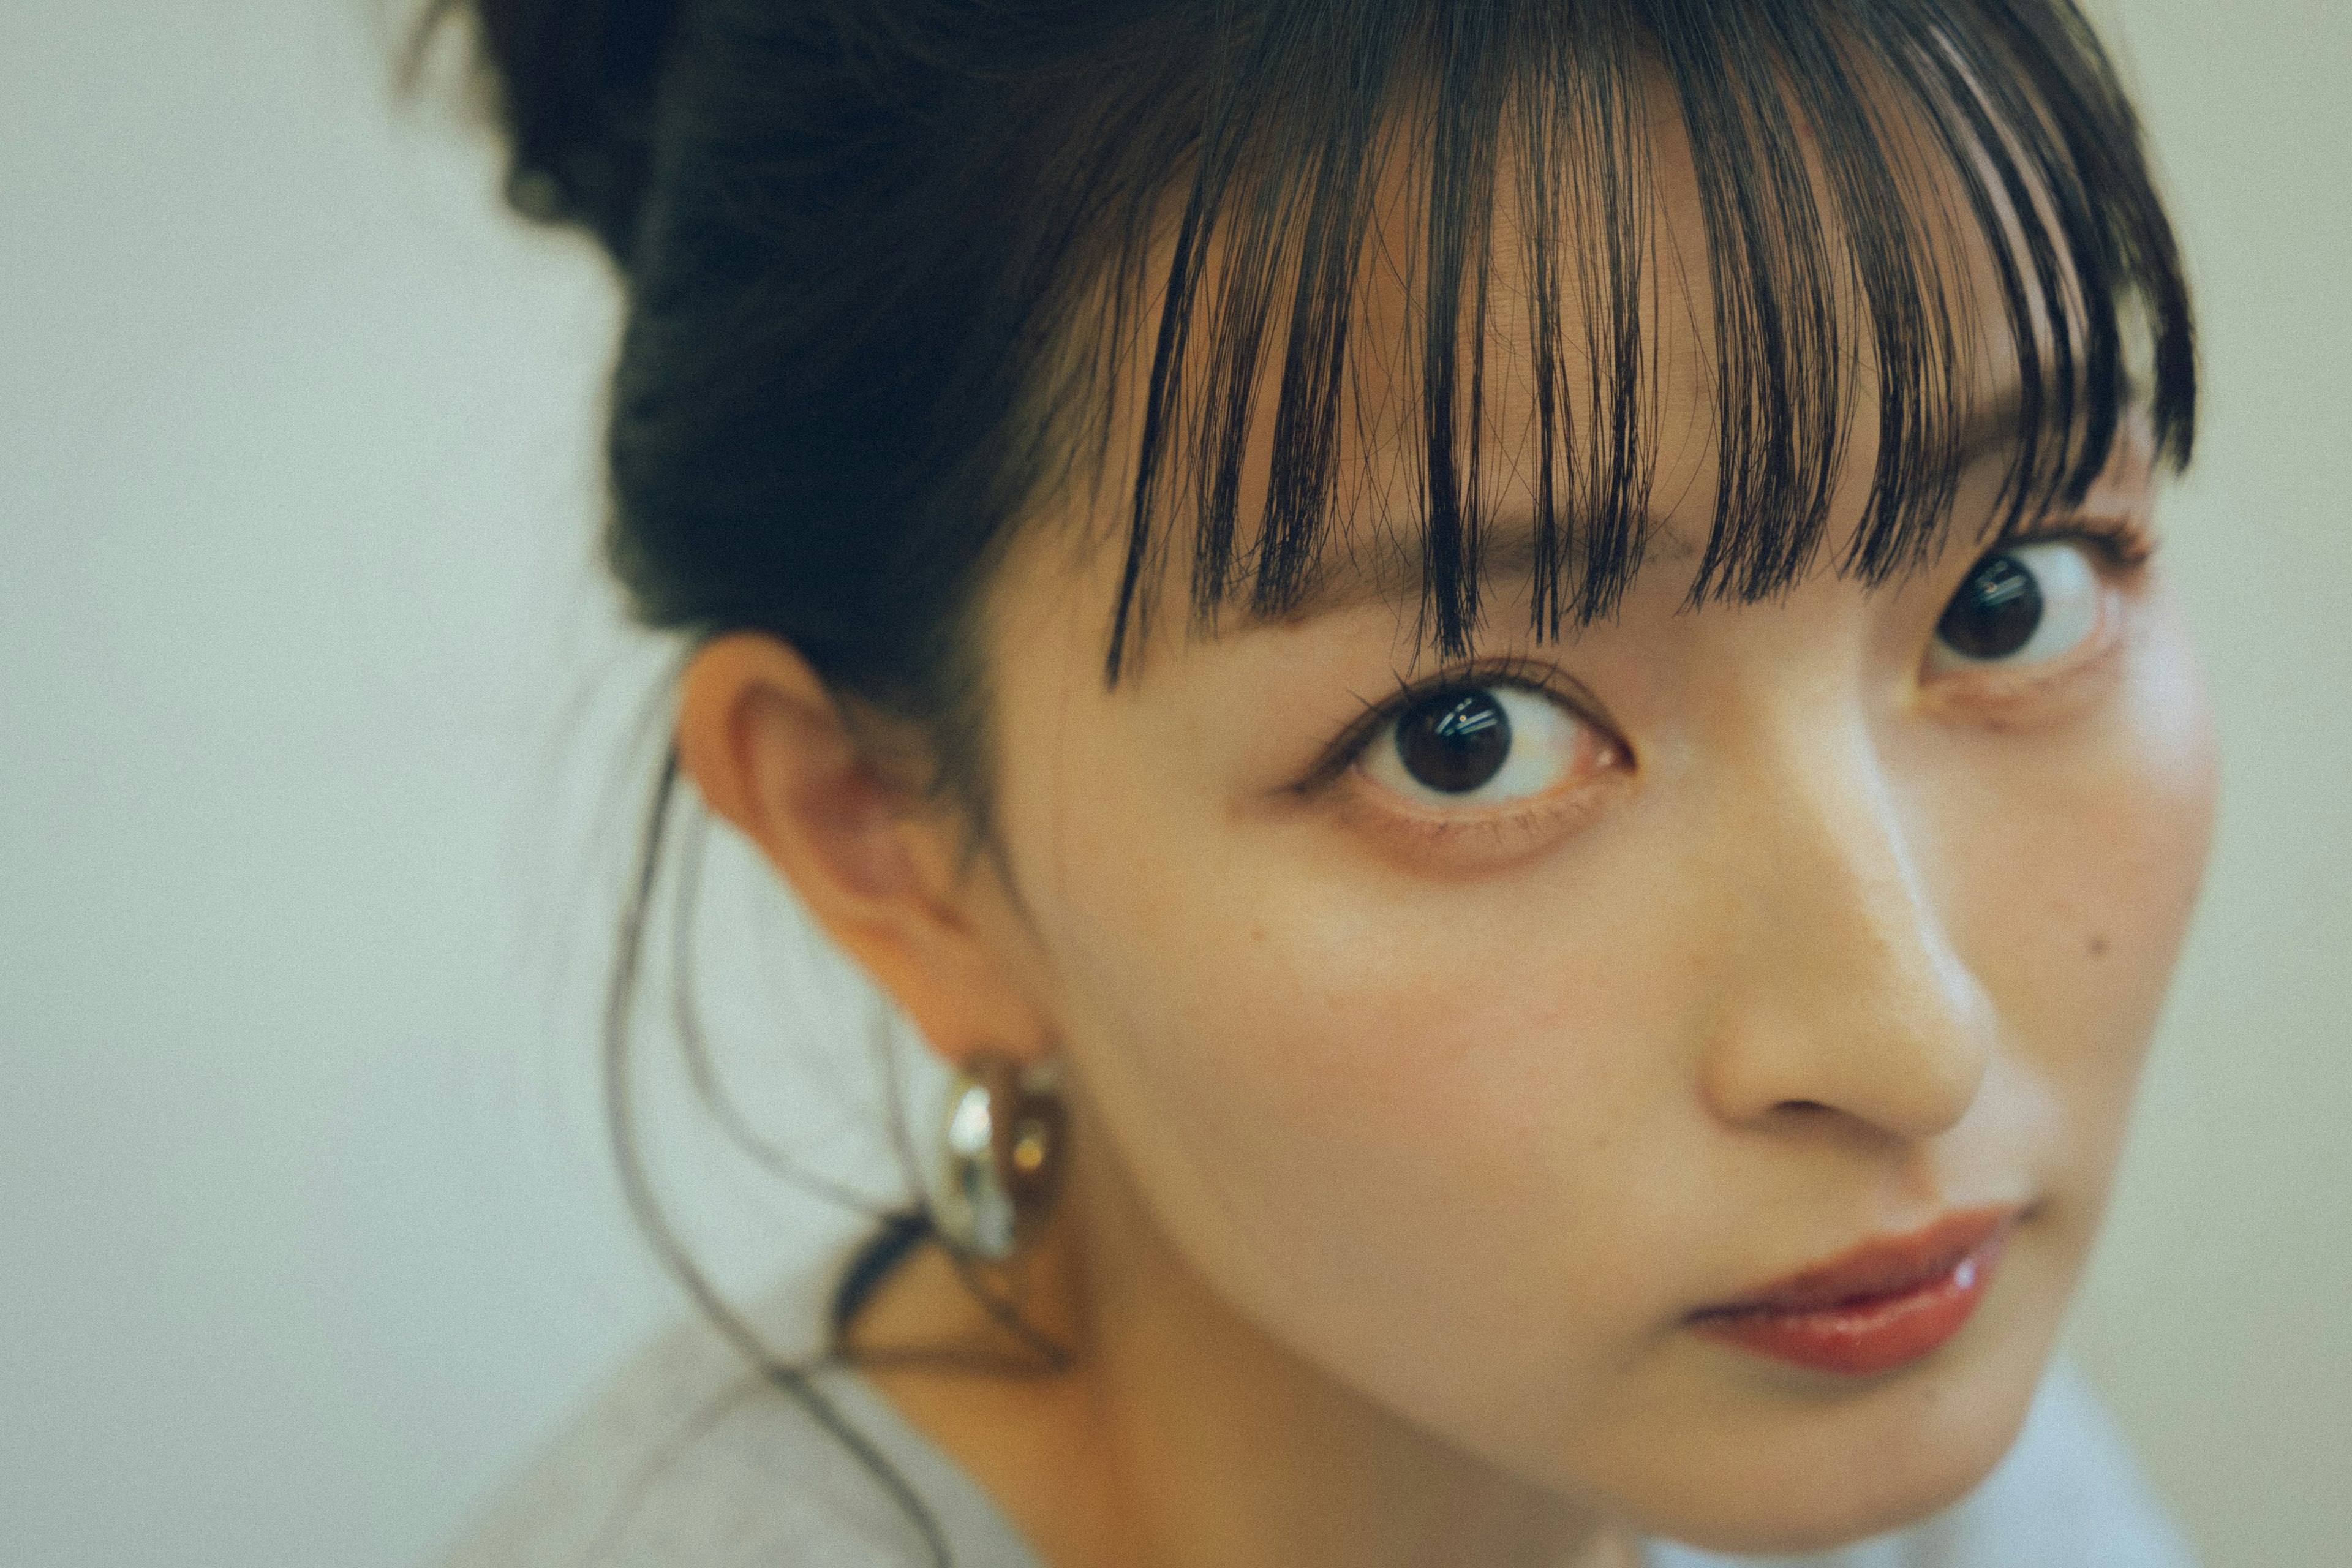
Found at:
<point>2098,947</point>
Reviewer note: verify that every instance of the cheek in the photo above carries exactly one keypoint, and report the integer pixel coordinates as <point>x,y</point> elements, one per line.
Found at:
<point>1406,1135</point>
<point>2080,862</point>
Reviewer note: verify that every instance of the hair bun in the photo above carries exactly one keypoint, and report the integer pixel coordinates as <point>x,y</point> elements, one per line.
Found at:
<point>573,83</point>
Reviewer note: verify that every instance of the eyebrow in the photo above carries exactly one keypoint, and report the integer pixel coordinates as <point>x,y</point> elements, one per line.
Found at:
<point>1507,550</point>
<point>1508,553</point>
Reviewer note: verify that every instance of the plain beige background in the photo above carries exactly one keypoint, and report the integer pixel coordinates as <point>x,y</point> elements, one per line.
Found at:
<point>2218,1319</point>
<point>314,776</point>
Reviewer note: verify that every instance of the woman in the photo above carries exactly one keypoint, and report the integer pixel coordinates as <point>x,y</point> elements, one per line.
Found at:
<point>1495,673</point>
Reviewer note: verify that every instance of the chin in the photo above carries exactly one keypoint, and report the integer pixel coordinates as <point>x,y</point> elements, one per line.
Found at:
<point>1837,1510</point>
<point>1815,1467</point>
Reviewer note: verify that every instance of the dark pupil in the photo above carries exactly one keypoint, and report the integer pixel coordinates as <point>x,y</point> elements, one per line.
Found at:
<point>1454,743</point>
<point>1996,610</point>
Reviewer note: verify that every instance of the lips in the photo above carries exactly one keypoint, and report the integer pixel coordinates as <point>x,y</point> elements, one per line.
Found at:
<point>1881,1305</point>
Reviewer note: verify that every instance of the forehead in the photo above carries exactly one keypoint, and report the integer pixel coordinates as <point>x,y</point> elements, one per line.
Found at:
<point>1579,325</point>
<point>1641,398</point>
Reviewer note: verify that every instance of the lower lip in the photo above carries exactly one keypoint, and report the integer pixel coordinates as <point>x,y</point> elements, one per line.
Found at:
<point>1876,1334</point>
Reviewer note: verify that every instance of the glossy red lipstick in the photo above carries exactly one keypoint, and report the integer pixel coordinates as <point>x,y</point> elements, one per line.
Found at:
<point>1882,1305</point>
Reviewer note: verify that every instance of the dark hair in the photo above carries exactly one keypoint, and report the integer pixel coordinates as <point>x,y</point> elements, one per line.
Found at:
<point>885,260</point>
<point>852,231</point>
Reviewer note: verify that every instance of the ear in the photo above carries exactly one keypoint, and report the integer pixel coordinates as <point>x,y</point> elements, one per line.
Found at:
<point>770,749</point>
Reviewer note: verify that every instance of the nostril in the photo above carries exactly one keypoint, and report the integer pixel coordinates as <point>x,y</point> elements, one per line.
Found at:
<point>1803,1105</point>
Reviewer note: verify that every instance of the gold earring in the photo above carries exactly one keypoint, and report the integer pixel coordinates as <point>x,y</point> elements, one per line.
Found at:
<point>1003,1138</point>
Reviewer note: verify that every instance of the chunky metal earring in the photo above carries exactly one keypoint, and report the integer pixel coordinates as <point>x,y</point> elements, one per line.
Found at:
<point>1002,1139</point>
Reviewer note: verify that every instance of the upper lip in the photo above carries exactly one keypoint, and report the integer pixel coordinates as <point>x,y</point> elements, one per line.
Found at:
<point>1880,1266</point>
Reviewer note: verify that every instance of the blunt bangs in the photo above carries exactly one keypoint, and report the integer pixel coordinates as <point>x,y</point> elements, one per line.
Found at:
<point>1845,153</point>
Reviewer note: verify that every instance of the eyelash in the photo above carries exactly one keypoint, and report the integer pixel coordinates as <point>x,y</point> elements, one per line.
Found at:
<point>2121,543</point>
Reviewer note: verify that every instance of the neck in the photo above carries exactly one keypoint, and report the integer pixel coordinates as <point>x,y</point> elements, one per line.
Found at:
<point>1182,1435</point>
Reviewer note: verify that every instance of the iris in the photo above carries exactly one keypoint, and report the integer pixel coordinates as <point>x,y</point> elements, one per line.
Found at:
<point>1995,611</point>
<point>1455,741</point>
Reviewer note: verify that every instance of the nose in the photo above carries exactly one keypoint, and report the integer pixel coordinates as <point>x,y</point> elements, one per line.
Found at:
<point>1842,990</point>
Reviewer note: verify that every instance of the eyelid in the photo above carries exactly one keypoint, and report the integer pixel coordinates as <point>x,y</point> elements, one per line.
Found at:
<point>2124,542</point>
<point>1530,674</point>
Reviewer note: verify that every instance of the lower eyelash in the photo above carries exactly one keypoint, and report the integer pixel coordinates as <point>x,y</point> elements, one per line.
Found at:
<point>1523,823</point>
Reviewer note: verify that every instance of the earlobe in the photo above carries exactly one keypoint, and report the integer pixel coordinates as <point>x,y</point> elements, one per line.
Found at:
<point>770,750</point>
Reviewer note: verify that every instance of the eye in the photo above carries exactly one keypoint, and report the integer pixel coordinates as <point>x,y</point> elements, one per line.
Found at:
<point>2026,604</point>
<point>1475,746</point>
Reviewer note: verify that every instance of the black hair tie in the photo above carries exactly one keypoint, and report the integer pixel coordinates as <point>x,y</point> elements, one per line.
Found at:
<point>873,1262</point>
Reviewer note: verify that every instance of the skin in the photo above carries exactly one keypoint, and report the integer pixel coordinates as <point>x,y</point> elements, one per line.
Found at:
<point>1406,1139</point>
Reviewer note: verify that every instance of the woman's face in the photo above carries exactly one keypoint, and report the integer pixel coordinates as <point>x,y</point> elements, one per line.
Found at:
<point>1471,1026</point>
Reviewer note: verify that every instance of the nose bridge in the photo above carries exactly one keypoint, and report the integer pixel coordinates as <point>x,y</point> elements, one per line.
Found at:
<point>1846,991</point>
